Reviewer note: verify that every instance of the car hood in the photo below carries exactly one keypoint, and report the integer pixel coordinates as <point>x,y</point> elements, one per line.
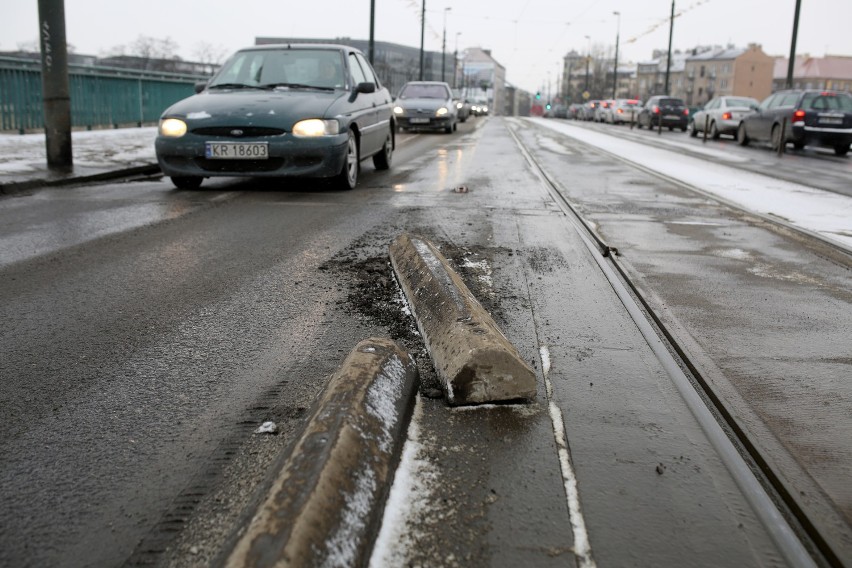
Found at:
<point>425,104</point>
<point>280,108</point>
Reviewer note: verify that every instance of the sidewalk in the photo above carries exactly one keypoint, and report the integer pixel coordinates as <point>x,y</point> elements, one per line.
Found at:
<point>96,154</point>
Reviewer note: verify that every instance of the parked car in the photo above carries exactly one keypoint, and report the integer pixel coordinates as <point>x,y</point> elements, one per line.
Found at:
<point>462,105</point>
<point>665,111</point>
<point>806,117</point>
<point>589,110</point>
<point>623,110</point>
<point>427,105</point>
<point>602,109</point>
<point>575,110</point>
<point>280,111</point>
<point>722,115</point>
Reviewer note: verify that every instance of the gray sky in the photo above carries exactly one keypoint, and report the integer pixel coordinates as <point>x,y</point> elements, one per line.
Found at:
<point>528,37</point>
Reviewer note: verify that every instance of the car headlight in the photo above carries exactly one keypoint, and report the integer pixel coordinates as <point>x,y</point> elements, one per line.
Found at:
<point>441,111</point>
<point>459,105</point>
<point>172,127</point>
<point>398,110</point>
<point>316,127</point>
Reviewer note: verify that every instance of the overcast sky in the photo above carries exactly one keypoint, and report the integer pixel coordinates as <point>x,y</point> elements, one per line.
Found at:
<point>528,37</point>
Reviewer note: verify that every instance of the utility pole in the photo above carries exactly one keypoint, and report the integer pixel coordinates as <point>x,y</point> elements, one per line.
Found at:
<point>372,31</point>
<point>791,64</point>
<point>444,45</point>
<point>422,30</point>
<point>456,60</point>
<point>669,58</point>
<point>615,67</point>
<point>54,85</point>
<point>588,57</point>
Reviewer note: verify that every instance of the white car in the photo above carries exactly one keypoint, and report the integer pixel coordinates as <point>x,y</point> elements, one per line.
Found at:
<point>623,111</point>
<point>722,115</point>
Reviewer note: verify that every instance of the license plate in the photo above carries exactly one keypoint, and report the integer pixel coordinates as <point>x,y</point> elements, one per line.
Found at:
<point>419,121</point>
<point>831,121</point>
<point>236,150</point>
<point>671,117</point>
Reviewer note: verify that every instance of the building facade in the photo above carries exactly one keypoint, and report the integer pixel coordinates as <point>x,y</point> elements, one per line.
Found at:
<point>832,72</point>
<point>717,71</point>
<point>483,79</point>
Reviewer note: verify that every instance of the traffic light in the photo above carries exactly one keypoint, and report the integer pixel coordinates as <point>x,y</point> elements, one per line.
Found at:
<point>538,96</point>
<point>548,106</point>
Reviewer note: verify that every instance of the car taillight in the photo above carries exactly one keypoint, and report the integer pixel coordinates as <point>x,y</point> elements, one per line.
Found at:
<point>727,116</point>
<point>619,111</point>
<point>799,116</point>
<point>686,111</point>
<point>656,109</point>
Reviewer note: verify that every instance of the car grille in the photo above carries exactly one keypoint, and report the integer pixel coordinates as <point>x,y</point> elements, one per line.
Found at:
<point>247,131</point>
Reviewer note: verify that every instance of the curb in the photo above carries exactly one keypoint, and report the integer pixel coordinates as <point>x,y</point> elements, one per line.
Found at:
<point>326,504</point>
<point>475,361</point>
<point>14,187</point>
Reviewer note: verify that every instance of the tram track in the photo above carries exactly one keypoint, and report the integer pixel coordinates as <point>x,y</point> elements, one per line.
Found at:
<point>775,502</point>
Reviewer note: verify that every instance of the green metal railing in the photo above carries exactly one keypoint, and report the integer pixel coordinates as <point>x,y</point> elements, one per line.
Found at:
<point>100,96</point>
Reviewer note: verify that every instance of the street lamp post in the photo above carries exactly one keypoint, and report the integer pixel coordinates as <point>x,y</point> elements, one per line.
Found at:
<point>669,58</point>
<point>588,57</point>
<point>444,45</point>
<point>792,62</point>
<point>456,60</point>
<point>372,31</point>
<point>615,67</point>
<point>422,31</point>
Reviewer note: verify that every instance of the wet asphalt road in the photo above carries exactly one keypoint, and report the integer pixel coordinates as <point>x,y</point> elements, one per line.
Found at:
<point>147,332</point>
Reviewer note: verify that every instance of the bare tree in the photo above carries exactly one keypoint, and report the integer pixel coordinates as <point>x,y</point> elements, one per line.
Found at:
<point>206,52</point>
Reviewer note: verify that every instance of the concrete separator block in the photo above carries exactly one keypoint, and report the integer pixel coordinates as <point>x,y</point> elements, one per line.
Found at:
<point>475,361</point>
<point>326,504</point>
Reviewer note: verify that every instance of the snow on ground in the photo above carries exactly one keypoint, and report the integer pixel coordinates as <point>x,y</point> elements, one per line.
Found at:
<point>825,213</point>
<point>124,147</point>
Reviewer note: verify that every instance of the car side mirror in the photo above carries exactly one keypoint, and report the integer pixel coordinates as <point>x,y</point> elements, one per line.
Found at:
<point>365,88</point>
<point>200,87</point>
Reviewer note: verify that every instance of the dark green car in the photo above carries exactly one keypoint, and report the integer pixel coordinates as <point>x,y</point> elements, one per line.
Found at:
<point>280,111</point>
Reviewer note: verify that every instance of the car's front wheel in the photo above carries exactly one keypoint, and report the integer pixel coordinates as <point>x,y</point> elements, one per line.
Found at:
<point>841,149</point>
<point>383,159</point>
<point>742,137</point>
<point>187,182</point>
<point>348,176</point>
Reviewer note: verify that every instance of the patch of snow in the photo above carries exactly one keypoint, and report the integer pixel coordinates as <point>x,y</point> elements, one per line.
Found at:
<point>267,428</point>
<point>341,547</point>
<point>382,397</point>
<point>823,212</point>
<point>198,115</point>
<point>410,499</point>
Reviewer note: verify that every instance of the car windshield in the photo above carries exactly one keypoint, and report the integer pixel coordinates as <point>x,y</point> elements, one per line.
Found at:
<point>741,102</point>
<point>415,91</point>
<point>827,101</point>
<point>671,102</point>
<point>291,68</point>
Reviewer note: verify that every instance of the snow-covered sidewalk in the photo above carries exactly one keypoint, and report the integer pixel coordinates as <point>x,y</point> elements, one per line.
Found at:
<point>24,157</point>
<point>822,212</point>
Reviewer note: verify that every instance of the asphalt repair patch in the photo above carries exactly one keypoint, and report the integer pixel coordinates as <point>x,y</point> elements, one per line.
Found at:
<point>375,294</point>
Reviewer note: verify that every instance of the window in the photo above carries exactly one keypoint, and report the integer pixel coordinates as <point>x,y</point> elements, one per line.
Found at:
<point>701,73</point>
<point>355,70</point>
<point>723,84</point>
<point>368,71</point>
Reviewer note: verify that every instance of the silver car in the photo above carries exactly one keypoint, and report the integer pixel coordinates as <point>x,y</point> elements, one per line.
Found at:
<point>722,115</point>
<point>623,110</point>
<point>427,105</point>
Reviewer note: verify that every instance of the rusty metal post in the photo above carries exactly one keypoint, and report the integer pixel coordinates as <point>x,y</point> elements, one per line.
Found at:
<point>782,141</point>
<point>706,126</point>
<point>56,96</point>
